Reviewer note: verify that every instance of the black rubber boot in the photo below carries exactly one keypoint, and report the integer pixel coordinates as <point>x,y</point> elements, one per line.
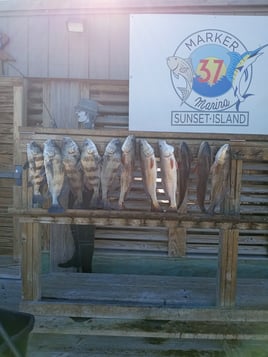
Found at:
<point>86,246</point>
<point>75,261</point>
<point>83,236</point>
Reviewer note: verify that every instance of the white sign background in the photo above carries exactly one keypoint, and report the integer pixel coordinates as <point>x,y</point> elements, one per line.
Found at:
<point>153,99</point>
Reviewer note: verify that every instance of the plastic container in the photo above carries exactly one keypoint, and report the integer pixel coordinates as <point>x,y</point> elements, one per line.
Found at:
<point>14,332</point>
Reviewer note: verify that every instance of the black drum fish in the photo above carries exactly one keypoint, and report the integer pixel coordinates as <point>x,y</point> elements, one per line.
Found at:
<point>111,166</point>
<point>91,163</point>
<point>54,173</point>
<point>72,167</point>
<point>36,171</point>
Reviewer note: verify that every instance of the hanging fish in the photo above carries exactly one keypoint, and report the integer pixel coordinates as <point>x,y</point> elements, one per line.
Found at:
<point>204,161</point>
<point>128,164</point>
<point>54,173</point>
<point>220,171</point>
<point>149,172</point>
<point>91,164</point>
<point>184,164</point>
<point>71,162</point>
<point>169,168</point>
<point>110,168</point>
<point>36,170</point>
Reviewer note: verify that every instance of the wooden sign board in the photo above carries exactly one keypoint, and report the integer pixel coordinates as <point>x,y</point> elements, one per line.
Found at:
<point>198,73</point>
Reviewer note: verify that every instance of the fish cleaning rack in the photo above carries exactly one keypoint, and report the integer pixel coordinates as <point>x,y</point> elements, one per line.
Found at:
<point>228,224</point>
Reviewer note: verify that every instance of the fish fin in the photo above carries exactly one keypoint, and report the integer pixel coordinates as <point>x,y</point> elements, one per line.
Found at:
<point>26,165</point>
<point>151,163</point>
<point>43,173</point>
<point>50,166</point>
<point>195,169</point>
<point>172,163</point>
<point>188,61</point>
<point>184,93</point>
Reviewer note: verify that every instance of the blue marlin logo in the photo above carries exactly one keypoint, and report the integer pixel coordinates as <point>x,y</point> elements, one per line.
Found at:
<point>238,72</point>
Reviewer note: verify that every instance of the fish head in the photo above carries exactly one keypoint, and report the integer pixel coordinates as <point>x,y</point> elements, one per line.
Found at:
<point>69,146</point>
<point>204,149</point>
<point>113,146</point>
<point>51,149</point>
<point>88,147</point>
<point>164,148</point>
<point>33,148</point>
<point>223,154</point>
<point>129,143</point>
<point>146,148</point>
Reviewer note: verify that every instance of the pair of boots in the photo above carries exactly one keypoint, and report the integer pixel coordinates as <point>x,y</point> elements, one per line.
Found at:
<point>83,236</point>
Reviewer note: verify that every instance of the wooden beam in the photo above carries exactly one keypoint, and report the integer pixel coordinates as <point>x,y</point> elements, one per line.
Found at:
<point>31,260</point>
<point>176,241</point>
<point>141,218</point>
<point>235,186</point>
<point>97,310</point>
<point>153,329</point>
<point>227,267</point>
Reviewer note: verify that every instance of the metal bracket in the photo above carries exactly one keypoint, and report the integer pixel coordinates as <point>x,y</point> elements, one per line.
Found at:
<point>17,174</point>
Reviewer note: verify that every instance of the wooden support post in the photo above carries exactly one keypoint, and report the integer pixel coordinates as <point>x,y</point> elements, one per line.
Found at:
<point>18,121</point>
<point>31,261</point>
<point>46,119</point>
<point>176,241</point>
<point>227,267</point>
<point>236,180</point>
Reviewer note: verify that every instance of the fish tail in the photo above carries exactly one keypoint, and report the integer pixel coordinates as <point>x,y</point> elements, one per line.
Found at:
<point>202,208</point>
<point>211,209</point>
<point>38,199</point>
<point>56,208</point>
<point>155,207</point>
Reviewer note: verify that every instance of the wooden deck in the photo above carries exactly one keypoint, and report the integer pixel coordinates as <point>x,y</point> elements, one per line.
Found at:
<point>167,313</point>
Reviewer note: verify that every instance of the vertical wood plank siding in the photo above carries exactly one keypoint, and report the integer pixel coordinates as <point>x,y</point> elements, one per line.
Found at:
<point>38,41</point>
<point>6,164</point>
<point>42,46</point>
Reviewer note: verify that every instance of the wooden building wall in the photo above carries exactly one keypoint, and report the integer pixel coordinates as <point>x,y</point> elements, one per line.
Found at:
<point>62,67</point>
<point>6,165</point>
<point>42,46</point>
